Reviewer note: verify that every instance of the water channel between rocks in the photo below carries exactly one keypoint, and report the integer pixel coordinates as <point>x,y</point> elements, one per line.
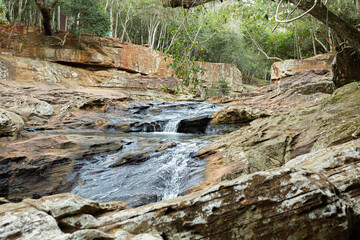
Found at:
<point>156,162</point>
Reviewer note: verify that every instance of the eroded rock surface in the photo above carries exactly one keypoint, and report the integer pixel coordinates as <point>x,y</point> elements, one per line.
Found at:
<point>291,203</point>
<point>340,164</point>
<point>273,141</point>
<point>41,165</point>
<point>10,125</point>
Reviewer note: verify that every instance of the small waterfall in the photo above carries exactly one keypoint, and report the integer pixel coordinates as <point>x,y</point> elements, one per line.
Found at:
<point>166,175</point>
<point>172,126</point>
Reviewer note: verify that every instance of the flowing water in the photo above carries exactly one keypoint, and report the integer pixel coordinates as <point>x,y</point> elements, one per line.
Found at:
<point>161,174</point>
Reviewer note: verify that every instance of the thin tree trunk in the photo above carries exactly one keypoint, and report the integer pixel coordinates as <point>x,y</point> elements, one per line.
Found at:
<point>45,10</point>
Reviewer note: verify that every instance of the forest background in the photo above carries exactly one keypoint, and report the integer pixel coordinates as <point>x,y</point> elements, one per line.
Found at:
<point>243,33</point>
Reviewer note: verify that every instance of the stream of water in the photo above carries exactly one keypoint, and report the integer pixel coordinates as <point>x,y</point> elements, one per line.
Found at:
<point>148,174</point>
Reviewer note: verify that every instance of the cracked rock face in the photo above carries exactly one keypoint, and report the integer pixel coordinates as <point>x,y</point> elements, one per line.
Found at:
<point>340,164</point>
<point>291,203</point>
<point>271,142</point>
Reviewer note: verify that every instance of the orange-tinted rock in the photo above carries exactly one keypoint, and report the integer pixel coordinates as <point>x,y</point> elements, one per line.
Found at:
<point>105,53</point>
<point>290,67</point>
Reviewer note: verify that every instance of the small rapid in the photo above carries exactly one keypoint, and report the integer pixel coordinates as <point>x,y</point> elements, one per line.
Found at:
<point>172,126</point>
<point>153,165</point>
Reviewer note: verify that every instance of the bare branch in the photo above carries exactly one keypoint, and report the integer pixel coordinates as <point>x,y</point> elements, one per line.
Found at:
<point>295,18</point>
<point>260,49</point>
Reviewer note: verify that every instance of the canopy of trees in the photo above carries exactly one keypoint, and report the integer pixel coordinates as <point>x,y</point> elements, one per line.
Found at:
<point>2,13</point>
<point>244,33</point>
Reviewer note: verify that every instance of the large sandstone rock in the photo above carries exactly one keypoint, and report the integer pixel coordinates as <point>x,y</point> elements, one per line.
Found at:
<point>21,221</point>
<point>10,124</point>
<point>237,114</point>
<point>194,125</point>
<point>340,164</point>
<point>291,203</point>
<point>41,165</point>
<point>273,141</point>
<point>121,59</point>
<point>50,218</point>
<point>290,67</point>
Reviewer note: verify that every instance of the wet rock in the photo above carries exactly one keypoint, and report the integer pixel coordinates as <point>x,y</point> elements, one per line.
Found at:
<point>132,158</point>
<point>120,127</point>
<point>41,165</point>
<point>194,125</point>
<point>237,114</point>
<point>293,203</point>
<point>10,124</point>
<point>142,154</point>
<point>165,146</point>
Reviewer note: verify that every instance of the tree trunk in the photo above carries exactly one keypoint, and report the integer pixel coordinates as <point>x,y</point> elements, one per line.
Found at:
<point>320,12</point>
<point>45,10</point>
<point>339,25</point>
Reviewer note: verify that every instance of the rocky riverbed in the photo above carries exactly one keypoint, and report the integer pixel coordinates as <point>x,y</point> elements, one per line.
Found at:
<point>90,157</point>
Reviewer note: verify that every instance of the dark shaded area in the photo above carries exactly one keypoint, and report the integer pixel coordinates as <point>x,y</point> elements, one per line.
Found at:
<point>346,67</point>
<point>195,125</point>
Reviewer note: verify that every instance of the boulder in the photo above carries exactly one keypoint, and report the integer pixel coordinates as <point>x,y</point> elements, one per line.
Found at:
<point>195,125</point>
<point>237,114</point>
<point>291,203</point>
<point>21,221</point>
<point>290,67</point>
<point>10,124</point>
<point>64,205</point>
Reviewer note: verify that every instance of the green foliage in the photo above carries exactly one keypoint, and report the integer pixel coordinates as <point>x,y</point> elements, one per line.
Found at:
<point>3,11</point>
<point>89,14</point>
<point>219,88</point>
